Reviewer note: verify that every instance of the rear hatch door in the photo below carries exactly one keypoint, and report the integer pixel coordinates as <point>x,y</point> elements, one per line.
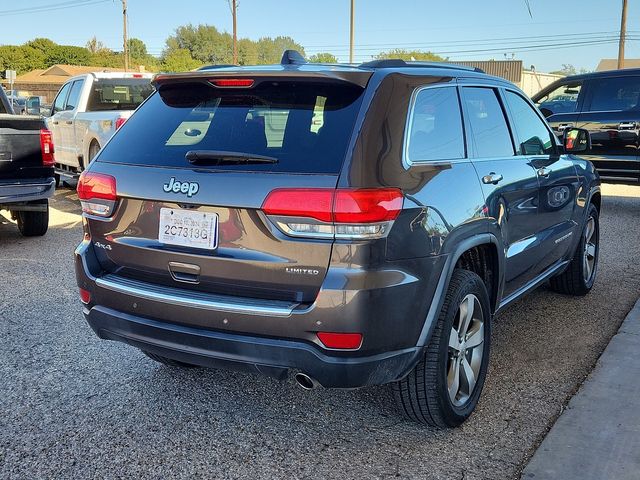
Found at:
<point>276,132</point>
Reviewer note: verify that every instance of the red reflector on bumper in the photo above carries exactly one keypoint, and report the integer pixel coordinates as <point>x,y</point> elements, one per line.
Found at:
<point>85,296</point>
<point>342,341</point>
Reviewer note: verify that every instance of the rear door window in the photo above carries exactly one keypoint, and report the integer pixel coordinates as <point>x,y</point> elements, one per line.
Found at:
<point>435,126</point>
<point>489,130</point>
<point>109,94</point>
<point>614,94</point>
<point>305,125</point>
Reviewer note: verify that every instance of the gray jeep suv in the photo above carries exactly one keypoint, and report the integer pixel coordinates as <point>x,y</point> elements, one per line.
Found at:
<point>346,225</point>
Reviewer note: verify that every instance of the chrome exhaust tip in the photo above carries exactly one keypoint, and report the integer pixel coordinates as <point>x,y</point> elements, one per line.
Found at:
<point>305,381</point>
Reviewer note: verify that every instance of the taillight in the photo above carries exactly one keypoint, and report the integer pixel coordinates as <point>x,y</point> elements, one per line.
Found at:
<point>120,121</point>
<point>330,213</point>
<point>340,341</point>
<point>46,147</point>
<point>97,193</point>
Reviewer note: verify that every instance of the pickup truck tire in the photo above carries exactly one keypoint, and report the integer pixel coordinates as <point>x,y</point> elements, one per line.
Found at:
<point>168,361</point>
<point>580,275</point>
<point>33,224</point>
<point>440,390</point>
<point>94,148</point>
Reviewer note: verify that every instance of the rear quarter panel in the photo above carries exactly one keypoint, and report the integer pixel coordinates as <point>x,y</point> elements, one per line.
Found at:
<point>443,206</point>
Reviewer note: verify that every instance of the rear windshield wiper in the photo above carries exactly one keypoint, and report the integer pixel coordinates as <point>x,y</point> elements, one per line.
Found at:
<point>217,157</point>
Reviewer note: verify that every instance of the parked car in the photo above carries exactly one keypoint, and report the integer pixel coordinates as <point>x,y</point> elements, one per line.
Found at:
<point>88,110</point>
<point>375,249</point>
<point>26,169</point>
<point>607,104</point>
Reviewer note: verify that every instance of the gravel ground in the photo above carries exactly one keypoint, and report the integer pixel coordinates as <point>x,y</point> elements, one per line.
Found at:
<point>73,406</point>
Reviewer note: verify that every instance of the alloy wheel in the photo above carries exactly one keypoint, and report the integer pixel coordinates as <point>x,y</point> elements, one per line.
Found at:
<point>466,349</point>
<point>590,249</point>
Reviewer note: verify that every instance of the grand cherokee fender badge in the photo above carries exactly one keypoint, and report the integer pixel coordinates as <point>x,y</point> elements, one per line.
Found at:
<point>190,188</point>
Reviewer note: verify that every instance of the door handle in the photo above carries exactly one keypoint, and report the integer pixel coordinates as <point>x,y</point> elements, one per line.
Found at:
<point>56,122</point>
<point>492,179</point>
<point>627,126</point>
<point>544,172</point>
<point>563,126</point>
<point>69,122</point>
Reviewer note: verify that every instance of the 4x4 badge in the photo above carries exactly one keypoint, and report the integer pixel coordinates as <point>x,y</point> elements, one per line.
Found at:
<point>190,188</point>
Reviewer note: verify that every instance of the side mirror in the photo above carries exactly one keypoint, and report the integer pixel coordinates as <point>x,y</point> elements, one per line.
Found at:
<point>33,106</point>
<point>576,140</point>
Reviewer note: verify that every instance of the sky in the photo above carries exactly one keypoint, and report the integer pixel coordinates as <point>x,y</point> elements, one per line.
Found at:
<point>556,32</point>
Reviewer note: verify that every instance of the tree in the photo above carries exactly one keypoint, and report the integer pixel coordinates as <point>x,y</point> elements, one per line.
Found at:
<point>323,58</point>
<point>95,46</point>
<point>42,44</point>
<point>568,69</point>
<point>410,55</point>
<point>204,42</point>
<point>68,55</point>
<point>179,60</point>
<point>270,49</point>
<point>137,48</point>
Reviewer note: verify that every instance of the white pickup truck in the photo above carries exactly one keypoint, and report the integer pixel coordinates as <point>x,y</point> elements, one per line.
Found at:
<point>88,110</point>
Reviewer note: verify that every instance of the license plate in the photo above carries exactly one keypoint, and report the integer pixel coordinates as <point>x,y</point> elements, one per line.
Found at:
<point>187,228</point>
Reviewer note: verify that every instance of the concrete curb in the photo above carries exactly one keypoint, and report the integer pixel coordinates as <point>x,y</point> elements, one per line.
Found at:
<point>598,435</point>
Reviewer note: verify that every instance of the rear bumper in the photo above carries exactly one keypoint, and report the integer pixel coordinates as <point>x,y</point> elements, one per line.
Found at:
<point>272,357</point>
<point>21,191</point>
<point>273,337</point>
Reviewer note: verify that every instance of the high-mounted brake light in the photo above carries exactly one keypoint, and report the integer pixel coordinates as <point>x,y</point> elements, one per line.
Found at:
<point>46,147</point>
<point>232,82</point>
<point>340,341</point>
<point>329,213</point>
<point>120,121</point>
<point>97,193</point>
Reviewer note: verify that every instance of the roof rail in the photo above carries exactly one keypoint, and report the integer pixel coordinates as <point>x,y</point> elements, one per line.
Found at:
<point>399,63</point>
<point>292,57</point>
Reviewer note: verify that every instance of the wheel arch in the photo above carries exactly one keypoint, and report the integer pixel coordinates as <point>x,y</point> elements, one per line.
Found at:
<point>481,244</point>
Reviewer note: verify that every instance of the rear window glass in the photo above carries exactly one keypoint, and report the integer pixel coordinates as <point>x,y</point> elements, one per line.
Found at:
<point>118,94</point>
<point>306,126</point>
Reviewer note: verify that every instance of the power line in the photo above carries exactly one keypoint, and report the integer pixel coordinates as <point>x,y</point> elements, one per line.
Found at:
<point>51,7</point>
<point>477,41</point>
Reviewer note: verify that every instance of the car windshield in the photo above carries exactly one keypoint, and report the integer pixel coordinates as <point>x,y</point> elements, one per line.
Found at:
<point>305,126</point>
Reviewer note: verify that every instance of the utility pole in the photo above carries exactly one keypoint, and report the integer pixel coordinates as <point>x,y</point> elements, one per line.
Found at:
<point>234,5</point>
<point>623,35</point>
<point>124,36</point>
<point>351,32</point>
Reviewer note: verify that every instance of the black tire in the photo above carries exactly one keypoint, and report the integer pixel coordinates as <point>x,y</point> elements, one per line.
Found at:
<point>577,279</point>
<point>168,361</point>
<point>57,178</point>
<point>423,395</point>
<point>34,224</point>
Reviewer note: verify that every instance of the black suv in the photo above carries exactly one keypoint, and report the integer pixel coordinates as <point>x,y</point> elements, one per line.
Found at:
<point>607,104</point>
<point>348,225</point>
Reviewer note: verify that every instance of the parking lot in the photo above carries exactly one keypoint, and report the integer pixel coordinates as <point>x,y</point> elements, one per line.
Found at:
<point>73,406</point>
